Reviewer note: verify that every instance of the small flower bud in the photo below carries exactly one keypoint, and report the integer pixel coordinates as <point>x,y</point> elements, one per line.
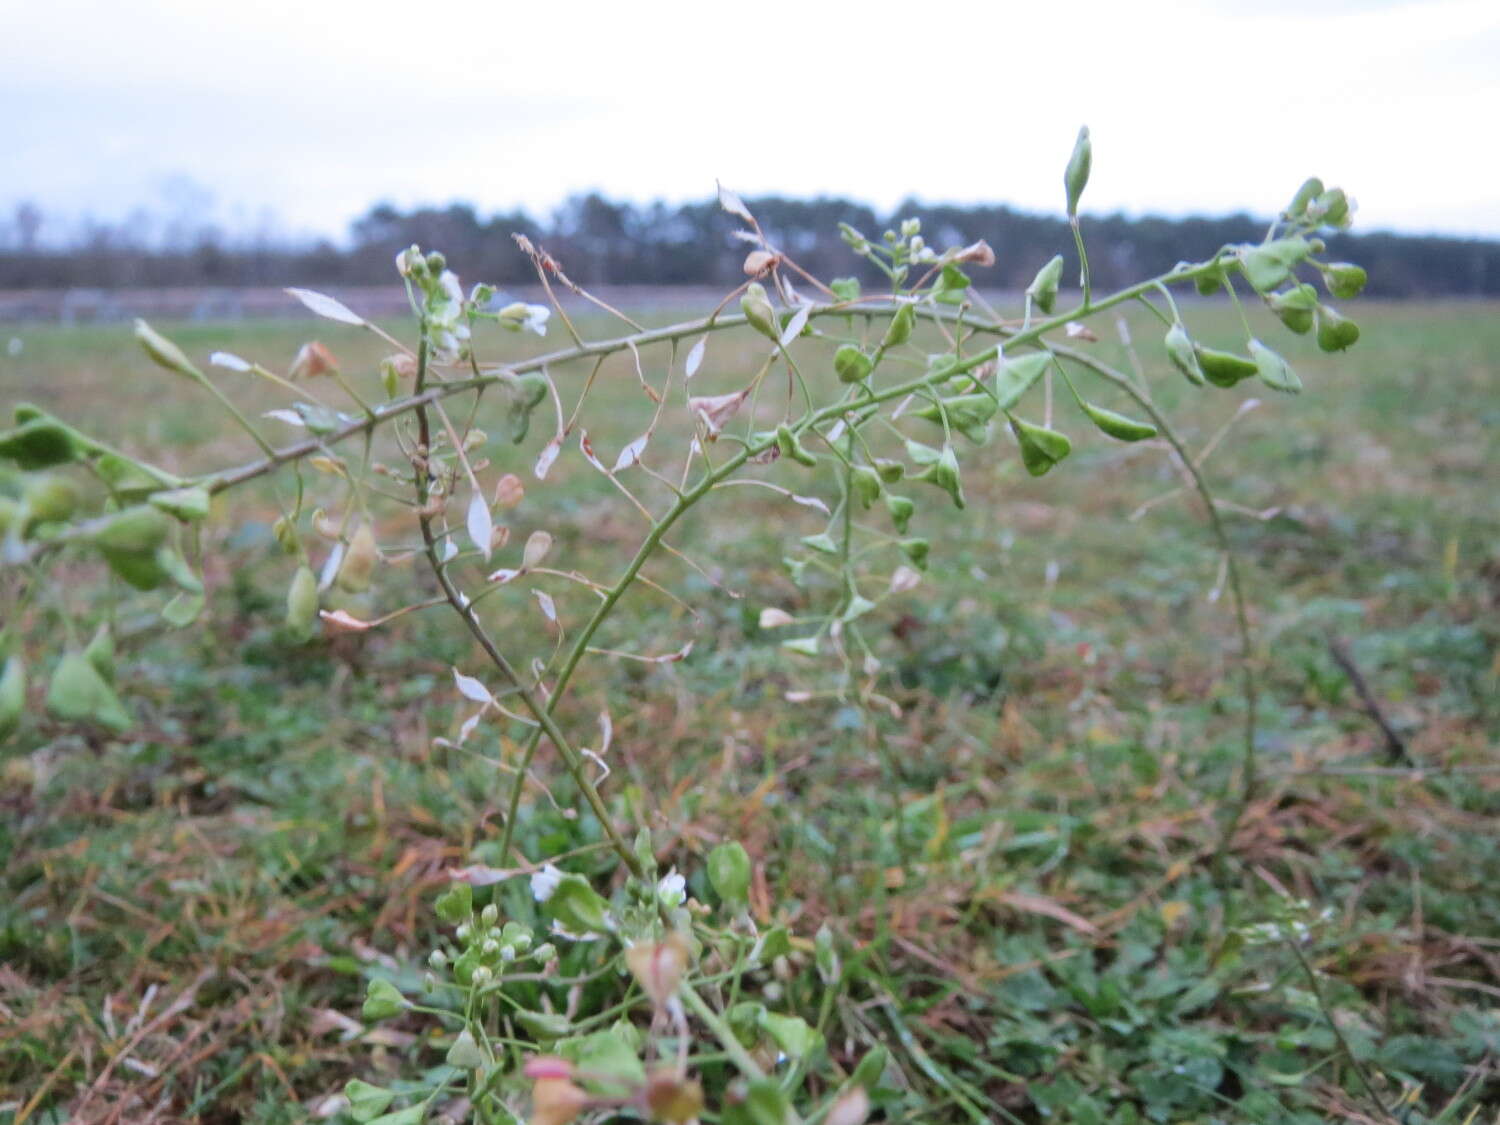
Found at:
<point>490,914</point>
<point>163,351</point>
<point>1076,177</point>
<point>756,306</point>
<point>438,960</point>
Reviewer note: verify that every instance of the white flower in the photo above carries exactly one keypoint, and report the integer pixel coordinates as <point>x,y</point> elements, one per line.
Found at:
<point>544,882</point>
<point>672,890</point>
<point>449,281</point>
<point>406,261</point>
<point>519,315</point>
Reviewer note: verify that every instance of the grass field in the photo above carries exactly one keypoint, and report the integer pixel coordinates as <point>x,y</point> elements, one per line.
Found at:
<point>1017,864</point>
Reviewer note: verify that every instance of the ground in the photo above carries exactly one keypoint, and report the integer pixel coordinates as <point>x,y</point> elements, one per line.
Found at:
<point>1017,863</point>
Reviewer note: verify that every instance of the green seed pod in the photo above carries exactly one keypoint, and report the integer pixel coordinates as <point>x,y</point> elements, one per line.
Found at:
<point>802,646</point>
<point>1310,190</point>
<point>901,509</point>
<point>101,652</point>
<point>1076,177</point>
<point>1041,448</point>
<point>756,306</point>
<point>130,479</point>
<point>1330,209</point>
<point>1274,371</point>
<point>1335,333</point>
<point>134,530</point>
<point>1043,287</point>
<point>864,484</point>
<point>1294,307</point>
<point>50,499</point>
<point>852,365</point>
<point>944,474</point>
<point>40,444</point>
<point>12,695</point>
<point>1344,279</point>
<point>729,873</point>
<point>1223,369</point>
<point>1183,357</point>
<point>1016,376</point>
<point>187,504</point>
<point>968,414</point>
<point>141,569</point>
<point>900,329</point>
<point>163,351</point>
<point>1207,284</point>
<point>787,442</point>
<point>359,562</point>
<point>922,454</point>
<point>302,603</point>
<point>78,694</point>
<point>845,288</point>
<point>1118,426</point>
<point>526,393</point>
<point>917,551</point>
<point>890,470</point>
<point>822,543</point>
<point>1269,264</point>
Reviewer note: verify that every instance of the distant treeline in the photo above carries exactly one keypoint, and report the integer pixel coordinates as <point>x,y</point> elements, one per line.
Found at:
<point>602,242</point>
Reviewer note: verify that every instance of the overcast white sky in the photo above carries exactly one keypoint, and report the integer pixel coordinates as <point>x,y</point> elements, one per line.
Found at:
<point>311,110</point>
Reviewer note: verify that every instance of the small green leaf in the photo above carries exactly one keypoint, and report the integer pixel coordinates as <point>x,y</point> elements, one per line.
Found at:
<point>382,1000</point>
<point>366,1101</point>
<point>456,904</point>
<point>791,1033</point>
<point>759,1103</point>
<point>577,907</point>
<point>729,873</point>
